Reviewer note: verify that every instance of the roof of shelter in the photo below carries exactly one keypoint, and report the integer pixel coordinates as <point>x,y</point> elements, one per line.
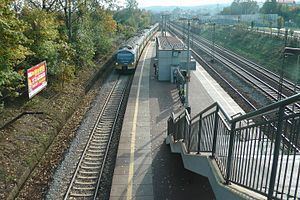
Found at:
<point>169,43</point>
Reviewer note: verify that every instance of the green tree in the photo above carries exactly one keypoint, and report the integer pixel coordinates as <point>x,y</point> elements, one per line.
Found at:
<point>132,19</point>
<point>241,7</point>
<point>65,69</point>
<point>83,41</point>
<point>280,23</point>
<point>131,4</point>
<point>43,31</point>
<point>105,26</point>
<point>13,50</point>
<point>269,7</point>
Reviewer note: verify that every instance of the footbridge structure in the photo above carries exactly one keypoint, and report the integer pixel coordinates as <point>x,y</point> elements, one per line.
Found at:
<point>250,156</point>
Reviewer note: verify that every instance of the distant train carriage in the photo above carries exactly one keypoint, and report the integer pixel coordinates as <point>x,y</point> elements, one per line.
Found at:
<point>129,53</point>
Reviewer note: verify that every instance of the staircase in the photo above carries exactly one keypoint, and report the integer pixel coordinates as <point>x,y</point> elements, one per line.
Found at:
<point>251,156</point>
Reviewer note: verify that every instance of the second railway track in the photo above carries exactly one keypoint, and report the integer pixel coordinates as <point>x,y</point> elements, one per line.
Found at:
<point>262,79</point>
<point>87,177</point>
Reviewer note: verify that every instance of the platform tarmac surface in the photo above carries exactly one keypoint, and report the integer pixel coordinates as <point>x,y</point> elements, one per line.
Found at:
<point>145,167</point>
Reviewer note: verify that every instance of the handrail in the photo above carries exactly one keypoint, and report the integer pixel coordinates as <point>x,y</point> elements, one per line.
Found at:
<point>232,143</point>
<point>205,110</point>
<point>188,115</point>
<point>174,117</point>
<point>268,108</point>
<point>258,112</point>
<point>216,104</point>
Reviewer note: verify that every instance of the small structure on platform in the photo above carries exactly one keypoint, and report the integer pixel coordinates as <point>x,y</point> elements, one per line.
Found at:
<point>171,54</point>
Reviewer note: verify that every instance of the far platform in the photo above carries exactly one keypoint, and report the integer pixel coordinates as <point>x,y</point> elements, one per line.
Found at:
<point>145,168</point>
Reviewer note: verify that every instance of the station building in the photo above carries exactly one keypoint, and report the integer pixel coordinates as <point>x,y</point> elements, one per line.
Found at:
<point>171,54</point>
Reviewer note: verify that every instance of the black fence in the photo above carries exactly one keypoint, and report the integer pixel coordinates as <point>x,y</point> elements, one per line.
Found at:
<point>258,150</point>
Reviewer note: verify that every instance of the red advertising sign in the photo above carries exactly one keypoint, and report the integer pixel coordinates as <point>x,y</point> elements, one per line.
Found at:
<point>37,79</point>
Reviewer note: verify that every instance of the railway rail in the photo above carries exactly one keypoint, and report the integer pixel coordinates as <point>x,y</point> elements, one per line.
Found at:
<point>255,68</point>
<point>87,177</point>
<point>248,71</point>
<point>250,65</point>
<point>261,84</point>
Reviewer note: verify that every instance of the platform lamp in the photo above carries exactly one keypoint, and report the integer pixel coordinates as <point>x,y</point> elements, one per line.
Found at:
<point>213,42</point>
<point>187,105</point>
<point>285,55</point>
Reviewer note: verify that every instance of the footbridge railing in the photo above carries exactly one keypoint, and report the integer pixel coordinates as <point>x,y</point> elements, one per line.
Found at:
<point>258,150</point>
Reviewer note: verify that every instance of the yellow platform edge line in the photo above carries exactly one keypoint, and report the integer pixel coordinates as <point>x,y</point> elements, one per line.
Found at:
<point>132,143</point>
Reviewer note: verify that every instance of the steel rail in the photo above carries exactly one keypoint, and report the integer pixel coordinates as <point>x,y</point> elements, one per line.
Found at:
<point>289,109</point>
<point>101,118</point>
<point>248,63</point>
<point>238,70</point>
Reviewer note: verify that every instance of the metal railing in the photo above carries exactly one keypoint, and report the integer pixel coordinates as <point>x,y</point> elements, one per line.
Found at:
<point>249,149</point>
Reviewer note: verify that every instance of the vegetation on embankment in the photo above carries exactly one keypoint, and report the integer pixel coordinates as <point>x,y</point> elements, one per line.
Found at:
<point>23,143</point>
<point>68,35</point>
<point>263,49</point>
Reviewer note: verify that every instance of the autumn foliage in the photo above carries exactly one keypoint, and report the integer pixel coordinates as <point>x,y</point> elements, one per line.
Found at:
<point>68,35</point>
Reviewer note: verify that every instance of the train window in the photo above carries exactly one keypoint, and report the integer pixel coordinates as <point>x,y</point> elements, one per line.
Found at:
<point>126,46</point>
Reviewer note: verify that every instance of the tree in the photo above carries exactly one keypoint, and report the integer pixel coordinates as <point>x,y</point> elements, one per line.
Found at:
<point>106,27</point>
<point>269,7</point>
<point>43,31</point>
<point>65,70</point>
<point>131,4</point>
<point>280,23</point>
<point>135,18</point>
<point>13,50</point>
<point>241,7</point>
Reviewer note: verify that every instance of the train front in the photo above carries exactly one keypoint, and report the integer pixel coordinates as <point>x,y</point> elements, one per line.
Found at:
<point>125,60</point>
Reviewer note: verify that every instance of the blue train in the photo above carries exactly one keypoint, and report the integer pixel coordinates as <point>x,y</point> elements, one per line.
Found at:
<point>129,53</point>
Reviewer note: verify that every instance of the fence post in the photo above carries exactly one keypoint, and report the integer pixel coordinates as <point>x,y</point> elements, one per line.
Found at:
<point>199,133</point>
<point>176,128</point>
<point>230,151</point>
<point>189,133</point>
<point>169,122</point>
<point>184,128</point>
<point>216,121</point>
<point>276,152</point>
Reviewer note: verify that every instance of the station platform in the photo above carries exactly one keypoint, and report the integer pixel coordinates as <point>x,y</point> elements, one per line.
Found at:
<point>145,168</point>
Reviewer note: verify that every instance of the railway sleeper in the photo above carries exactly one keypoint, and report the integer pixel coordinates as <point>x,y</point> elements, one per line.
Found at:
<point>93,154</point>
<point>94,151</point>
<point>92,163</point>
<point>88,172</point>
<point>90,167</point>
<point>81,195</point>
<point>83,188</point>
<point>85,182</point>
<point>86,177</point>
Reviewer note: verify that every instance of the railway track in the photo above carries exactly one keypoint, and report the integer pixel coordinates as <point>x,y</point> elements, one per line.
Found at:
<point>260,71</point>
<point>88,174</point>
<point>246,76</point>
<point>254,75</point>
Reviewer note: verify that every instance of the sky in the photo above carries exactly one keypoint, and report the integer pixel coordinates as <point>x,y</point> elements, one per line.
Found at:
<point>147,3</point>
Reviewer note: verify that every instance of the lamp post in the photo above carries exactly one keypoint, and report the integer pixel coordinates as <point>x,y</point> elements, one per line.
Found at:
<point>285,54</point>
<point>213,43</point>
<point>187,105</point>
